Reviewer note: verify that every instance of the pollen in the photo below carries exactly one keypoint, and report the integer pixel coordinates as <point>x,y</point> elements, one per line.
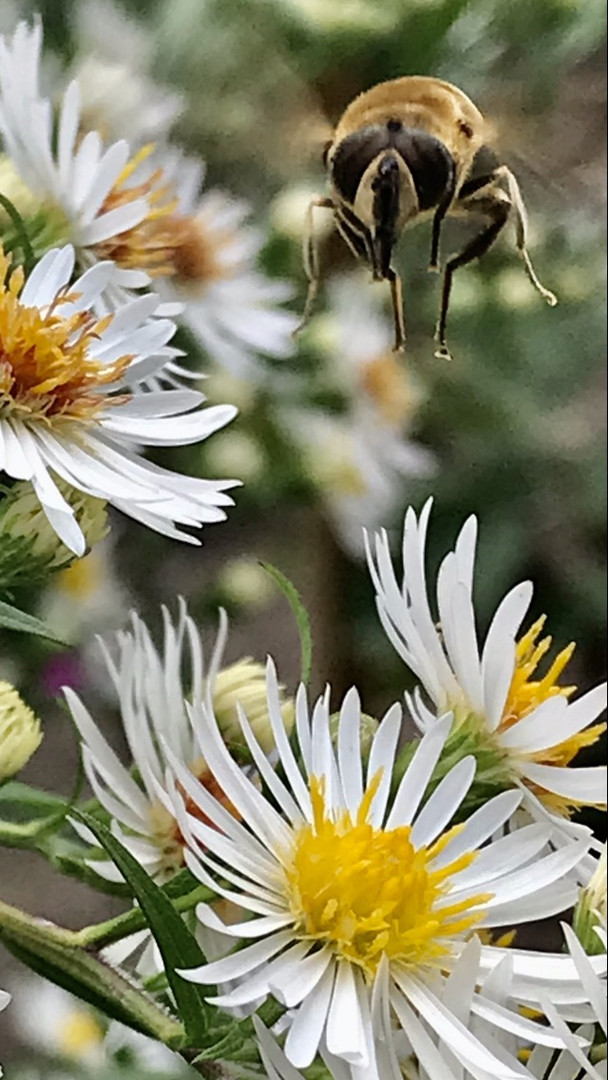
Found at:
<point>165,243</point>
<point>46,371</point>
<point>527,692</point>
<point>367,893</point>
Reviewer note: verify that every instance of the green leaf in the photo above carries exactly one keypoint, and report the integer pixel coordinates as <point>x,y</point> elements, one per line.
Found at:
<point>14,619</point>
<point>300,614</point>
<point>178,947</point>
<point>24,241</point>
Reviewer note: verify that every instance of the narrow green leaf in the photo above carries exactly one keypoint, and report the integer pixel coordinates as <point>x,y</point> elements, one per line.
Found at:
<point>300,613</point>
<point>14,619</point>
<point>178,947</point>
<point>28,254</point>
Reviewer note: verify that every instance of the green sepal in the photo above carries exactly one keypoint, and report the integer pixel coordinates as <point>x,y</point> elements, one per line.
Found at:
<point>300,614</point>
<point>178,947</point>
<point>492,775</point>
<point>14,619</point>
<point>40,946</point>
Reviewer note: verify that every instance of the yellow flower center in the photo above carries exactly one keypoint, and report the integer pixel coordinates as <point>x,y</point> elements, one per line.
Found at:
<point>527,693</point>
<point>165,243</point>
<point>46,372</point>
<point>368,893</point>
<point>78,1034</point>
<point>386,382</point>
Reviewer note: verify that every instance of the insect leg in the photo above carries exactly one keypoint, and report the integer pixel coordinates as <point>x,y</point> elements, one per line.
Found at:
<point>493,204</point>
<point>439,215</point>
<point>397,299</point>
<point>310,258</point>
<point>521,230</point>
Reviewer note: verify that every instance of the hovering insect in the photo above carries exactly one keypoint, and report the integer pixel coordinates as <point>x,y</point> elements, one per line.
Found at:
<point>404,151</point>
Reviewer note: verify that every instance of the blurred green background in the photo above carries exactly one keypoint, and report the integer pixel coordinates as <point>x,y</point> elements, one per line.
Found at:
<point>516,422</point>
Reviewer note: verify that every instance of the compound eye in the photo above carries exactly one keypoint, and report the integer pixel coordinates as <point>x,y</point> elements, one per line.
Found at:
<point>326,149</point>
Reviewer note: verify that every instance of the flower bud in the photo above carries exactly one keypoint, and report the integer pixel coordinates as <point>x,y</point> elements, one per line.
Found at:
<point>244,684</point>
<point>590,910</point>
<point>29,546</point>
<point>20,734</point>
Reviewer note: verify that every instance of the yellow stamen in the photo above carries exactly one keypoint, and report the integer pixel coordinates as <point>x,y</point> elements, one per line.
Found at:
<point>368,892</point>
<point>46,371</point>
<point>165,243</point>
<point>527,693</point>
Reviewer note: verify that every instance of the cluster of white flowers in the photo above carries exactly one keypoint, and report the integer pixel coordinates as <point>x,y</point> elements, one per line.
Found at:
<point>114,242</point>
<point>367,891</point>
<point>360,880</point>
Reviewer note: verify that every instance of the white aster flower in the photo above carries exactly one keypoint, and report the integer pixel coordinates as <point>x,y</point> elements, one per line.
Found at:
<point>576,1060</point>
<point>64,409</point>
<point>526,722</point>
<point>157,689</point>
<point>142,212</point>
<point>360,904</point>
<point>82,192</point>
<point>231,306</point>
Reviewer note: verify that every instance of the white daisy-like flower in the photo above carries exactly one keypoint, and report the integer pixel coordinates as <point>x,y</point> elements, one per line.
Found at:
<point>156,690</point>
<point>523,719</point>
<point>142,212</point>
<point>360,903</point>
<point>576,1060</point>
<point>64,408</point>
<point>83,192</point>
<point>232,307</point>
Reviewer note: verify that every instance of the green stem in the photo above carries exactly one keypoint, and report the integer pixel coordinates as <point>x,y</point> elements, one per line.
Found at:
<point>28,253</point>
<point>47,949</point>
<point>105,933</point>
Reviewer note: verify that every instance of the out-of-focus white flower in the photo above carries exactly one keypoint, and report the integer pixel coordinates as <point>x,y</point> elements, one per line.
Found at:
<point>232,307</point>
<point>359,912</point>
<point>69,1029</point>
<point>526,723</point>
<point>64,409</point>
<point>358,465</point>
<point>359,457</point>
<point>86,597</point>
<point>159,692</point>
<point>114,59</point>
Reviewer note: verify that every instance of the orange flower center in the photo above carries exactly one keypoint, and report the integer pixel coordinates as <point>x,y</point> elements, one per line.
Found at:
<point>46,371</point>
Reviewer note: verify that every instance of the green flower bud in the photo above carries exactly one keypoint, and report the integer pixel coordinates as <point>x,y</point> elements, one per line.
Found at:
<point>20,733</point>
<point>30,549</point>
<point>590,910</point>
